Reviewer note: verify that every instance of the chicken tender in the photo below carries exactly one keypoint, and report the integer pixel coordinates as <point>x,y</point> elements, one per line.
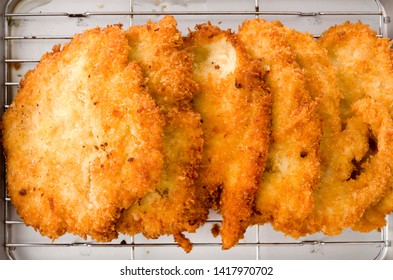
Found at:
<point>83,139</point>
<point>235,108</point>
<point>364,68</point>
<point>292,171</point>
<point>172,208</point>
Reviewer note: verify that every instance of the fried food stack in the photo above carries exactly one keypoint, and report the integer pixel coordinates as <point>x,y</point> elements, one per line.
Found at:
<point>146,131</point>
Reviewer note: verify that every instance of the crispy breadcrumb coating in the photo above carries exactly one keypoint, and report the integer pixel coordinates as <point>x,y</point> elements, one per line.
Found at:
<point>364,68</point>
<point>167,66</point>
<point>351,150</point>
<point>358,172</point>
<point>292,170</point>
<point>83,139</point>
<point>235,108</point>
<point>362,61</point>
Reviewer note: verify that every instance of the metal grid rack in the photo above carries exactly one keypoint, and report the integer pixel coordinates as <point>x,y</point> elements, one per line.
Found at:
<point>31,28</point>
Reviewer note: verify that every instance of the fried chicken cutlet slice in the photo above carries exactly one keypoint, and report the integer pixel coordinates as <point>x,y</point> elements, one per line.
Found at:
<point>348,153</point>
<point>358,172</point>
<point>292,171</point>
<point>362,61</point>
<point>364,68</point>
<point>320,83</point>
<point>83,139</point>
<point>235,108</point>
<point>167,66</point>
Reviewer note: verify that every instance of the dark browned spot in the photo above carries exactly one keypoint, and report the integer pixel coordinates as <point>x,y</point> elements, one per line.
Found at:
<point>131,159</point>
<point>22,192</point>
<point>358,165</point>
<point>343,126</point>
<point>215,230</point>
<point>303,154</point>
<point>357,170</point>
<point>17,65</point>
<point>238,85</point>
<point>192,222</point>
<point>372,144</point>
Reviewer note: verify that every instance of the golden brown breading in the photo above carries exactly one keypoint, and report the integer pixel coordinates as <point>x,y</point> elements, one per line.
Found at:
<point>364,68</point>
<point>362,62</point>
<point>235,108</point>
<point>158,47</point>
<point>292,170</point>
<point>167,67</point>
<point>358,172</point>
<point>168,210</point>
<point>348,184</point>
<point>320,83</point>
<point>375,216</point>
<point>83,139</point>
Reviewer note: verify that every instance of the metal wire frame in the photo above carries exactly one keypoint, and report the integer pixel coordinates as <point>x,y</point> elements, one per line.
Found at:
<point>383,243</point>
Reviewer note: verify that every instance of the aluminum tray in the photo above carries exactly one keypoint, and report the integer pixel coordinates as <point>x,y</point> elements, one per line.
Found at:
<point>32,27</point>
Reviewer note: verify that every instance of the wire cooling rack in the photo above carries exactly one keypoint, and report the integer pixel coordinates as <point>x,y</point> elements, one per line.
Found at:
<point>32,27</point>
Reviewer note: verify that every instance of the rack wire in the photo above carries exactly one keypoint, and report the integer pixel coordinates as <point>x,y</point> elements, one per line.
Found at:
<point>18,39</point>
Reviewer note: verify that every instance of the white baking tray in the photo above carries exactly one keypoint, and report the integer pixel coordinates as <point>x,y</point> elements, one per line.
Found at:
<point>32,27</point>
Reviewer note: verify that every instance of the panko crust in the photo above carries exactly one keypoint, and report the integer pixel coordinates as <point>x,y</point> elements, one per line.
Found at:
<point>292,171</point>
<point>359,170</point>
<point>375,216</point>
<point>364,68</point>
<point>158,47</point>
<point>320,83</point>
<point>362,61</point>
<point>167,67</point>
<point>82,139</point>
<point>235,107</point>
<point>167,210</point>
<point>351,150</point>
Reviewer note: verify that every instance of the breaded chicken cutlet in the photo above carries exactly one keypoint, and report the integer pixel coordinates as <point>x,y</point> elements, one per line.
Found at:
<point>235,108</point>
<point>172,208</point>
<point>358,172</point>
<point>364,68</point>
<point>362,61</point>
<point>292,171</point>
<point>83,139</point>
<point>145,131</point>
<point>349,156</point>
